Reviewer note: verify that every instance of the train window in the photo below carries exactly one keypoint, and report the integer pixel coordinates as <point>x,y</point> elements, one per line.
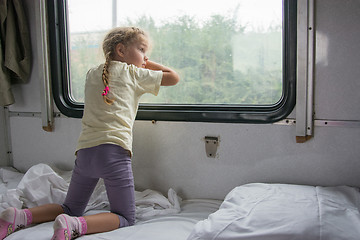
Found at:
<point>236,58</point>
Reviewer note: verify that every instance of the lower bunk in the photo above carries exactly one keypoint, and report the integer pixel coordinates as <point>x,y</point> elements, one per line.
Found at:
<point>251,211</point>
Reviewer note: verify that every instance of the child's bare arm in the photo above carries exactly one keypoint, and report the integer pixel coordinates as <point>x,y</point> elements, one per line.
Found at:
<point>170,77</point>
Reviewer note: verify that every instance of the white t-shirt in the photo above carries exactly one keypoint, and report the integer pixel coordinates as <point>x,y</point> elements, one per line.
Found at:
<point>113,124</point>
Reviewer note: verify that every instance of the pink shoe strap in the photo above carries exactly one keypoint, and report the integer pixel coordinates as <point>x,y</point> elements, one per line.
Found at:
<point>28,217</point>
<point>83,225</point>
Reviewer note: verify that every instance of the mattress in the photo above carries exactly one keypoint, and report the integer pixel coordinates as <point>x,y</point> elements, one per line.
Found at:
<point>173,226</point>
<point>252,211</point>
<point>158,216</point>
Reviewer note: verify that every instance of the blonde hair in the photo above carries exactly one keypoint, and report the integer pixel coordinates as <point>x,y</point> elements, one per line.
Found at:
<point>124,35</point>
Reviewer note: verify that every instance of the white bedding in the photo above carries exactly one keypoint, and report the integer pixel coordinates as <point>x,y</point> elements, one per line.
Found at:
<point>42,185</point>
<point>173,226</point>
<point>284,212</point>
<point>157,217</point>
<point>252,211</point>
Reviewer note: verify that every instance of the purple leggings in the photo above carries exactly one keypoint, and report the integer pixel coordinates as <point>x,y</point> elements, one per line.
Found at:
<point>111,163</point>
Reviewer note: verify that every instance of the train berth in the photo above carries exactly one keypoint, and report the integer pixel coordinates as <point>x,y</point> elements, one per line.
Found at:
<point>250,211</point>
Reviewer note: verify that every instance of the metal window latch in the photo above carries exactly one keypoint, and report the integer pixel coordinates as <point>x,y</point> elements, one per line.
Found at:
<point>211,145</point>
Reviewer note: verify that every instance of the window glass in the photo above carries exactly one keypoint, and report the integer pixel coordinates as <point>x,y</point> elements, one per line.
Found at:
<point>227,52</point>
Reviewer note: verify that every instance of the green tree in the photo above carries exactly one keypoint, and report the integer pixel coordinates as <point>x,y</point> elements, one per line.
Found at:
<point>218,62</point>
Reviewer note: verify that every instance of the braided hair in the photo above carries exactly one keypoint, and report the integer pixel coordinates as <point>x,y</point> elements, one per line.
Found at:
<point>124,35</point>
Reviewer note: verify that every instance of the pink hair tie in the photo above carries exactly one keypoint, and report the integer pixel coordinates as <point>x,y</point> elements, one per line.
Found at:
<point>106,91</point>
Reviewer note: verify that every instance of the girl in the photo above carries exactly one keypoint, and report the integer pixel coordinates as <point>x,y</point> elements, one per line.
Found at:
<point>104,150</point>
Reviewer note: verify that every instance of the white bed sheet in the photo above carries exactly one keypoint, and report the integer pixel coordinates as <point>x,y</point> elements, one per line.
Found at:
<point>173,226</point>
<point>251,211</point>
<point>158,217</point>
<point>41,184</point>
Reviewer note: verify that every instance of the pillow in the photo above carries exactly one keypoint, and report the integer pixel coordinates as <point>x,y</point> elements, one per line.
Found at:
<point>283,212</point>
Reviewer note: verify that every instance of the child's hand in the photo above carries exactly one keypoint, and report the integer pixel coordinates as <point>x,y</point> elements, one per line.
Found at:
<point>170,77</point>
<point>146,59</point>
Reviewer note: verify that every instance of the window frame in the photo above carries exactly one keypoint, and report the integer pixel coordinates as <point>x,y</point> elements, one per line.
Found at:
<point>59,59</point>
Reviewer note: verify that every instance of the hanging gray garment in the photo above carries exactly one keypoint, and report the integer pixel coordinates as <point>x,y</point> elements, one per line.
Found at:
<point>15,48</point>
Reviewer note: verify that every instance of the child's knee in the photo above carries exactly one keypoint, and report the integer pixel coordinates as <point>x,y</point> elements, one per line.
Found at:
<point>126,222</point>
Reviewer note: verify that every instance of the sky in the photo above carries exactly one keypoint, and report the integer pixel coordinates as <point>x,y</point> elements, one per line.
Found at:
<point>95,15</point>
